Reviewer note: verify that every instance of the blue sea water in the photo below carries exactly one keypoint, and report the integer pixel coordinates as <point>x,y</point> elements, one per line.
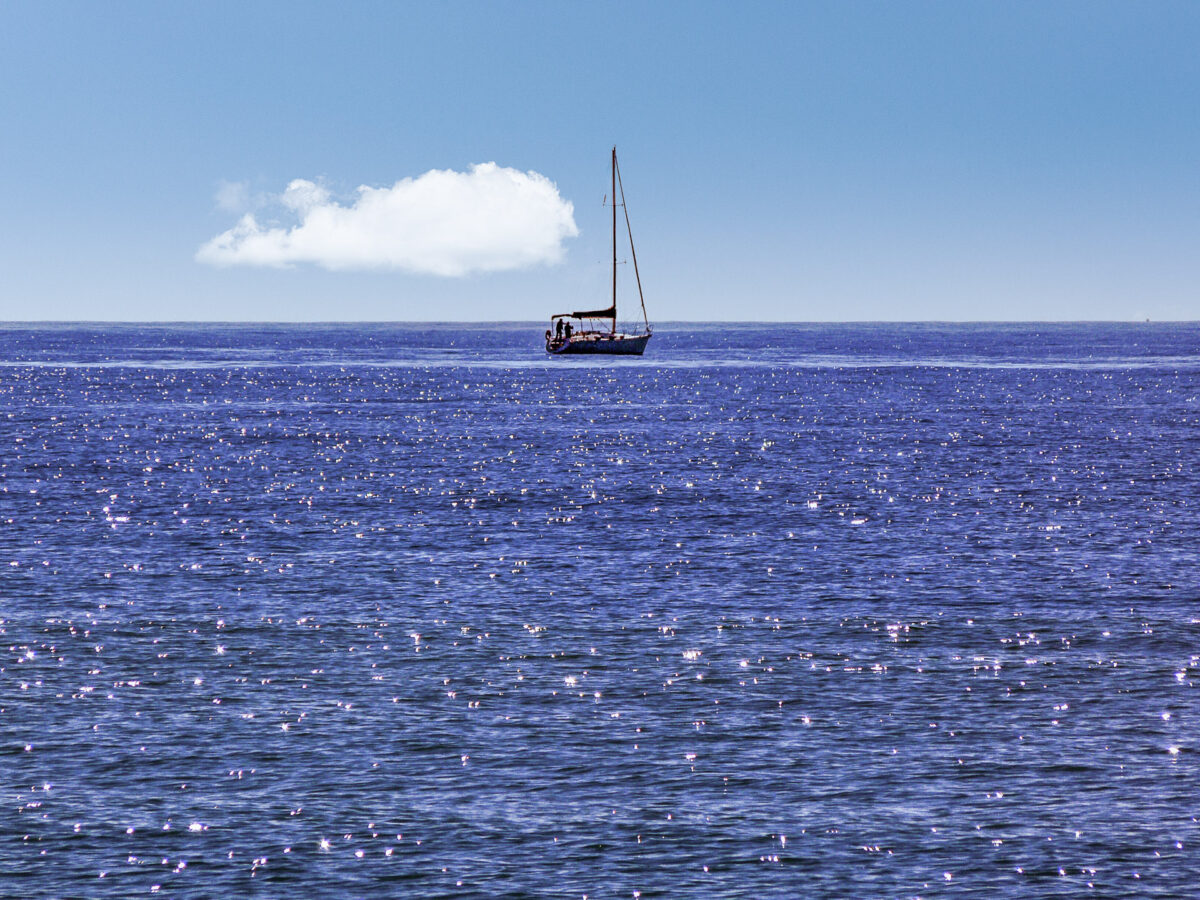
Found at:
<point>773,611</point>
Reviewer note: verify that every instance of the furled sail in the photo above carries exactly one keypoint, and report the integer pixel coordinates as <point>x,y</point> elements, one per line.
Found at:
<point>610,313</point>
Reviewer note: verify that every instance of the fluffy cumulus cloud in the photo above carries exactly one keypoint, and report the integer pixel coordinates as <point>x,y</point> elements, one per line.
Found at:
<point>447,223</point>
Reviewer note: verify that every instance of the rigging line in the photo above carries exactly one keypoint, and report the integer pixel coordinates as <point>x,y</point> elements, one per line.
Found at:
<point>629,228</point>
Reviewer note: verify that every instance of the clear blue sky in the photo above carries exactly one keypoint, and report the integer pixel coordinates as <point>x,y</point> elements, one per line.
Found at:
<point>782,161</point>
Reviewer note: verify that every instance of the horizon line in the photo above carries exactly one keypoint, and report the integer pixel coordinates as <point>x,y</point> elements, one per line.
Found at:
<point>540,322</point>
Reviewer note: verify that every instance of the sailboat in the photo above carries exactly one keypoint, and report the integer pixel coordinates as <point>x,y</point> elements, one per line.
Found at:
<point>576,332</point>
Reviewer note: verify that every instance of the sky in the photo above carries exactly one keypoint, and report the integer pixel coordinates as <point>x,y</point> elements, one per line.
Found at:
<point>782,161</point>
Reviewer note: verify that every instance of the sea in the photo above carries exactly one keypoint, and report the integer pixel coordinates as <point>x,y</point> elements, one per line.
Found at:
<point>774,611</point>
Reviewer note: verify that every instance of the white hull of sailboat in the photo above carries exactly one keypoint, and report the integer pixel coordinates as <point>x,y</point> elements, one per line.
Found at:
<point>606,344</point>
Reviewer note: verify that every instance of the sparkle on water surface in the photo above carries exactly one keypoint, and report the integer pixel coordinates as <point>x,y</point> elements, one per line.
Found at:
<point>787,611</point>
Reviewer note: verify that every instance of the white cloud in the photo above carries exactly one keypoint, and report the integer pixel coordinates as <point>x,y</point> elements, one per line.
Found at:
<point>442,223</point>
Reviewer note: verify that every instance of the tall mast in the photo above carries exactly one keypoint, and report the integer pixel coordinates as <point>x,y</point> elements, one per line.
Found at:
<point>614,238</point>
